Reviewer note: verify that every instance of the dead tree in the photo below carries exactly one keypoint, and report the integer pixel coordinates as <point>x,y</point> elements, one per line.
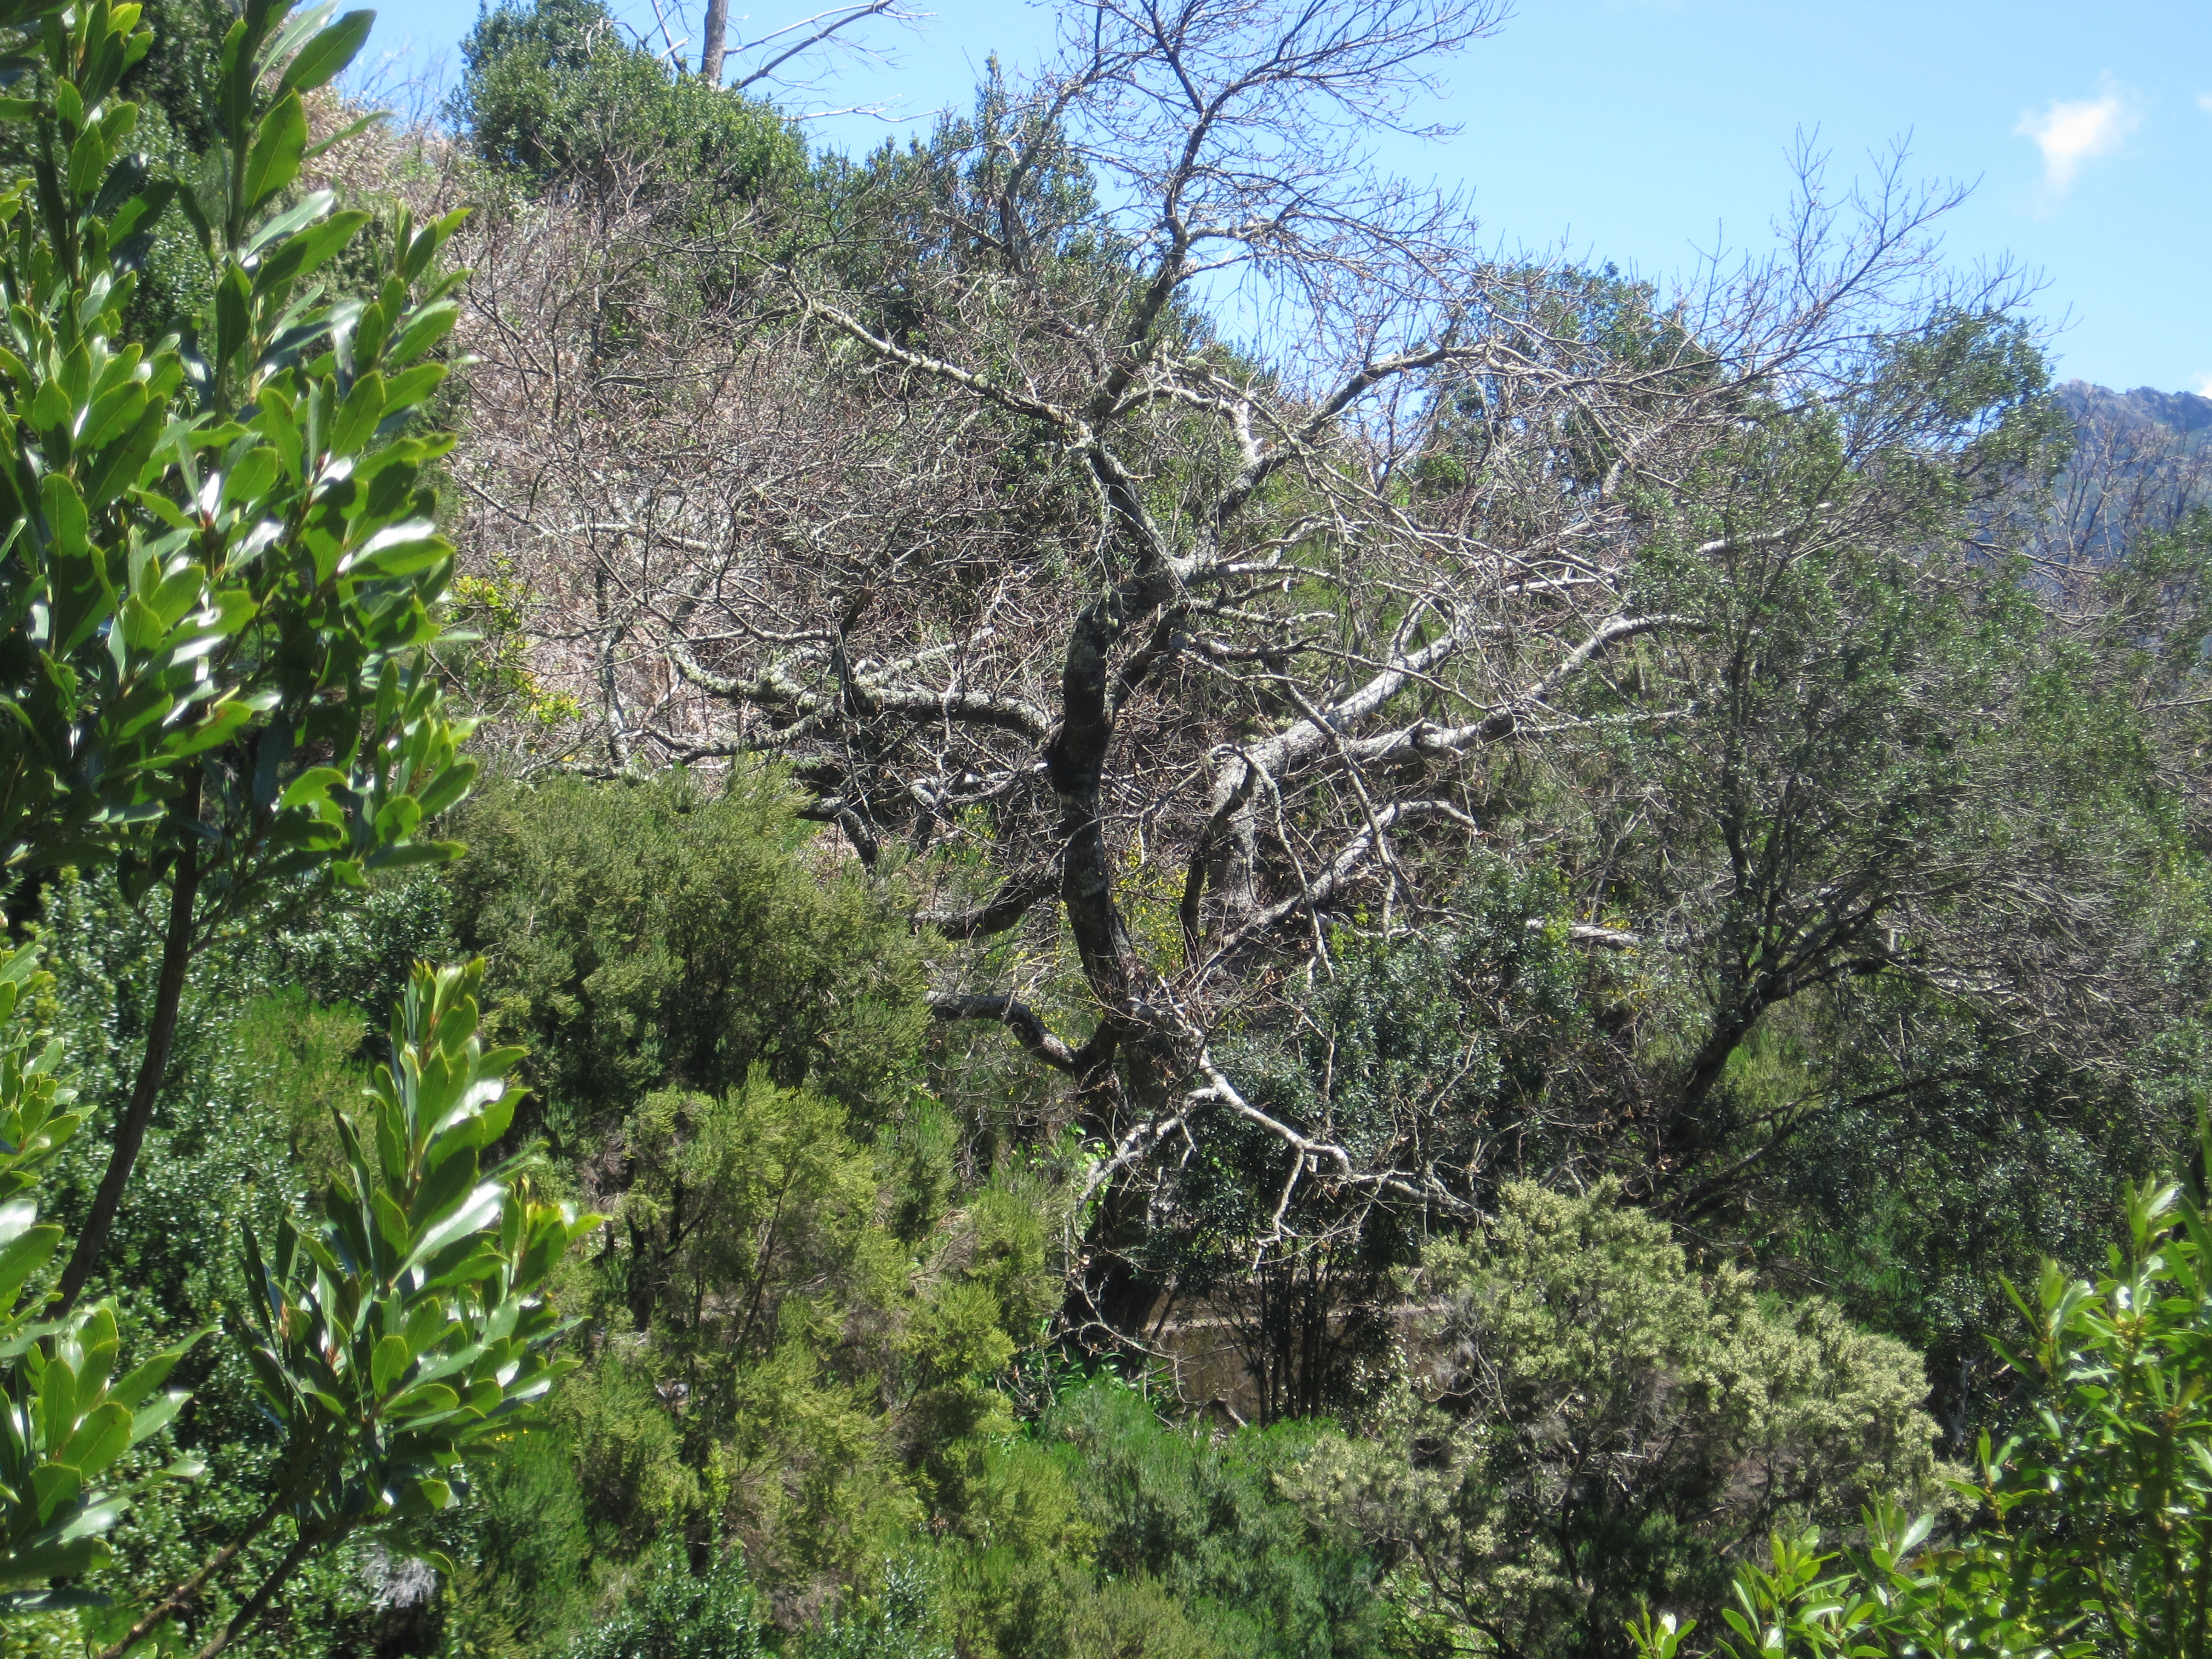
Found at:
<point>1160,655</point>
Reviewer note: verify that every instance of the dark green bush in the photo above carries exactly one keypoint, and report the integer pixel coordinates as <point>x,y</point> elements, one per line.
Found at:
<point>551,89</point>
<point>665,935</point>
<point>1102,1533</point>
<point>673,1612</point>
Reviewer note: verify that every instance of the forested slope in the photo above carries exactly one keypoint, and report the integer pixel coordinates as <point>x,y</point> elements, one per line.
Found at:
<point>1200,925</point>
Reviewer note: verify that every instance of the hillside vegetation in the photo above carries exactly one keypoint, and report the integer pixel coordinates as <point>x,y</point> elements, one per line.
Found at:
<point>1068,893</point>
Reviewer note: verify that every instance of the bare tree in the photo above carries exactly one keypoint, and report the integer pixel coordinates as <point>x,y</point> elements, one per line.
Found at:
<point>784,53</point>
<point>2128,477</point>
<point>1160,655</point>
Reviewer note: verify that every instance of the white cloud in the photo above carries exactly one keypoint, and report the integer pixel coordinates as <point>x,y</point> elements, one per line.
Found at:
<point>2204,102</point>
<point>2203,386</point>
<point>2073,131</point>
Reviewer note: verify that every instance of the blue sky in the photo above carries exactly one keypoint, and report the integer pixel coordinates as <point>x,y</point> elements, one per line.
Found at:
<point>1646,131</point>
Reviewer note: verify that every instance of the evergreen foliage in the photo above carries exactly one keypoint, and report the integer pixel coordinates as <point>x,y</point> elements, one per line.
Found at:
<point>1619,900</point>
<point>1588,1423</point>
<point>670,935</point>
<point>2086,1526</point>
<point>553,92</point>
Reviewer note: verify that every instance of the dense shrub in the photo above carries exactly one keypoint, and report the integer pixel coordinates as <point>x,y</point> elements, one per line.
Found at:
<point>554,91</point>
<point>2087,1532</point>
<point>1589,1420</point>
<point>675,934</point>
<point>671,1613</point>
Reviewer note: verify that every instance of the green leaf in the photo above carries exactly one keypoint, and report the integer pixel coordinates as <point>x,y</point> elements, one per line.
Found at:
<point>102,1436</point>
<point>358,415</point>
<point>312,786</point>
<point>391,1221</point>
<point>413,855</point>
<point>424,248</point>
<point>409,387</point>
<point>54,1490</point>
<point>408,532</point>
<point>28,1252</point>
<point>274,162</point>
<point>389,1363</point>
<point>215,728</point>
<point>444,1187</point>
<point>152,1419</point>
<point>324,58</point>
<point>403,558</point>
<point>234,315</point>
<point>57,1403</point>
<point>68,1560</point>
<point>424,330</point>
<point>310,249</point>
<point>248,482</point>
<point>421,1497</point>
<point>293,29</point>
<point>94,1518</point>
<point>17,1216</point>
<point>66,523</point>
<point>305,211</point>
<point>87,162</point>
<point>478,1209</point>
<point>120,463</point>
<point>149,1376</point>
<point>427,1323</point>
<point>127,200</point>
<point>449,787</point>
<point>424,1399</point>
<point>349,132</point>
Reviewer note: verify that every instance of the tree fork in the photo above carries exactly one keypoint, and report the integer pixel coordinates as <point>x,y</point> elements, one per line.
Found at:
<point>250,1614</point>
<point>182,1596</point>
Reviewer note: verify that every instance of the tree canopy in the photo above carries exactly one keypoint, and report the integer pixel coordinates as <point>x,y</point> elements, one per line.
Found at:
<point>1130,905</point>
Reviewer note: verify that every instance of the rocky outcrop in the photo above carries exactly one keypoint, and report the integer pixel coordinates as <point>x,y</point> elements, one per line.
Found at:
<point>2180,412</point>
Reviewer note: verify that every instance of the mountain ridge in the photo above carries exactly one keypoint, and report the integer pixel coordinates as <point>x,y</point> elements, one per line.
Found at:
<point>2184,412</point>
